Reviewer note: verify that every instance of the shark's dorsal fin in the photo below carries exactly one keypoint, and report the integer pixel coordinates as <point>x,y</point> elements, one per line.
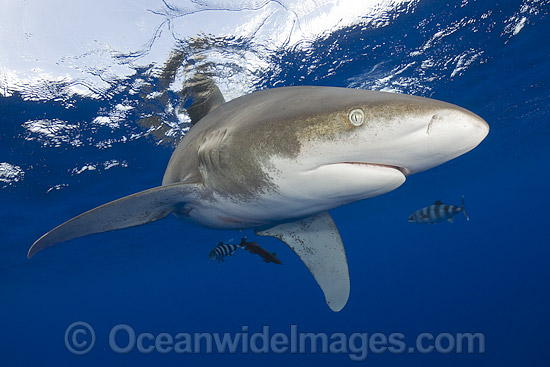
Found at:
<point>438,202</point>
<point>130,211</point>
<point>317,242</point>
<point>205,96</point>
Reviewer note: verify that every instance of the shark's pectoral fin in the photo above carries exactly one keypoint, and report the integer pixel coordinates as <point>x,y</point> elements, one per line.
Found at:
<point>317,242</point>
<point>133,210</point>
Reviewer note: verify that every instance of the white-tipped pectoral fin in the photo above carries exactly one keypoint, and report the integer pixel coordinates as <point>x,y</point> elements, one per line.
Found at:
<point>133,210</point>
<point>317,242</point>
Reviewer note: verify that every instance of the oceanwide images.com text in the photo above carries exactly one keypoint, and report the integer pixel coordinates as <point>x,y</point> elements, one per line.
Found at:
<point>80,338</point>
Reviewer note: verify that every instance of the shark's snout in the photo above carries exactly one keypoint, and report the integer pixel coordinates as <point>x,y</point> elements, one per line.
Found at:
<point>446,134</point>
<point>458,124</point>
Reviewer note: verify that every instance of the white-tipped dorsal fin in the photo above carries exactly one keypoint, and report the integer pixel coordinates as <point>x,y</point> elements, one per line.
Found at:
<point>206,97</point>
<point>317,242</point>
<point>133,210</point>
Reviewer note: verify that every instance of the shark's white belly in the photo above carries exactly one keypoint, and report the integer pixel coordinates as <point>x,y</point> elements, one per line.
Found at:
<point>300,195</point>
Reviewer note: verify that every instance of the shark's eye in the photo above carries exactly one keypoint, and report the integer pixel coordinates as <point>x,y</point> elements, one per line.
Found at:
<point>356,117</point>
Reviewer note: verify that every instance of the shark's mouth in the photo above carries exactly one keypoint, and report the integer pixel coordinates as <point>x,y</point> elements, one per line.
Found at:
<point>403,170</point>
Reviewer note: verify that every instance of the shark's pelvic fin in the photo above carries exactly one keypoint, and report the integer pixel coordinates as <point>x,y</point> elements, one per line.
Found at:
<point>133,210</point>
<point>317,242</point>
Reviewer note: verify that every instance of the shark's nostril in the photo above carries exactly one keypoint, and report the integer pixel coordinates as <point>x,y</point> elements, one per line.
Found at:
<point>434,119</point>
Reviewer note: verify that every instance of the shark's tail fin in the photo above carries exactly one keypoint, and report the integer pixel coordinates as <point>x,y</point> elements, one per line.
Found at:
<point>133,210</point>
<point>463,209</point>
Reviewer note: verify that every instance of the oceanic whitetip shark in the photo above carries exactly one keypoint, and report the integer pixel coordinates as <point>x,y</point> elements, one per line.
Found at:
<point>277,160</point>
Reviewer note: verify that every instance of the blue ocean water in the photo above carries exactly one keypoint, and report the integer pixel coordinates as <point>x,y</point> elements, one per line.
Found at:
<point>489,275</point>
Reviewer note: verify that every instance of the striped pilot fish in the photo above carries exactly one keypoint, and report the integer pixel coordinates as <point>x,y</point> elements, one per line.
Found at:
<point>437,212</point>
<point>222,250</point>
